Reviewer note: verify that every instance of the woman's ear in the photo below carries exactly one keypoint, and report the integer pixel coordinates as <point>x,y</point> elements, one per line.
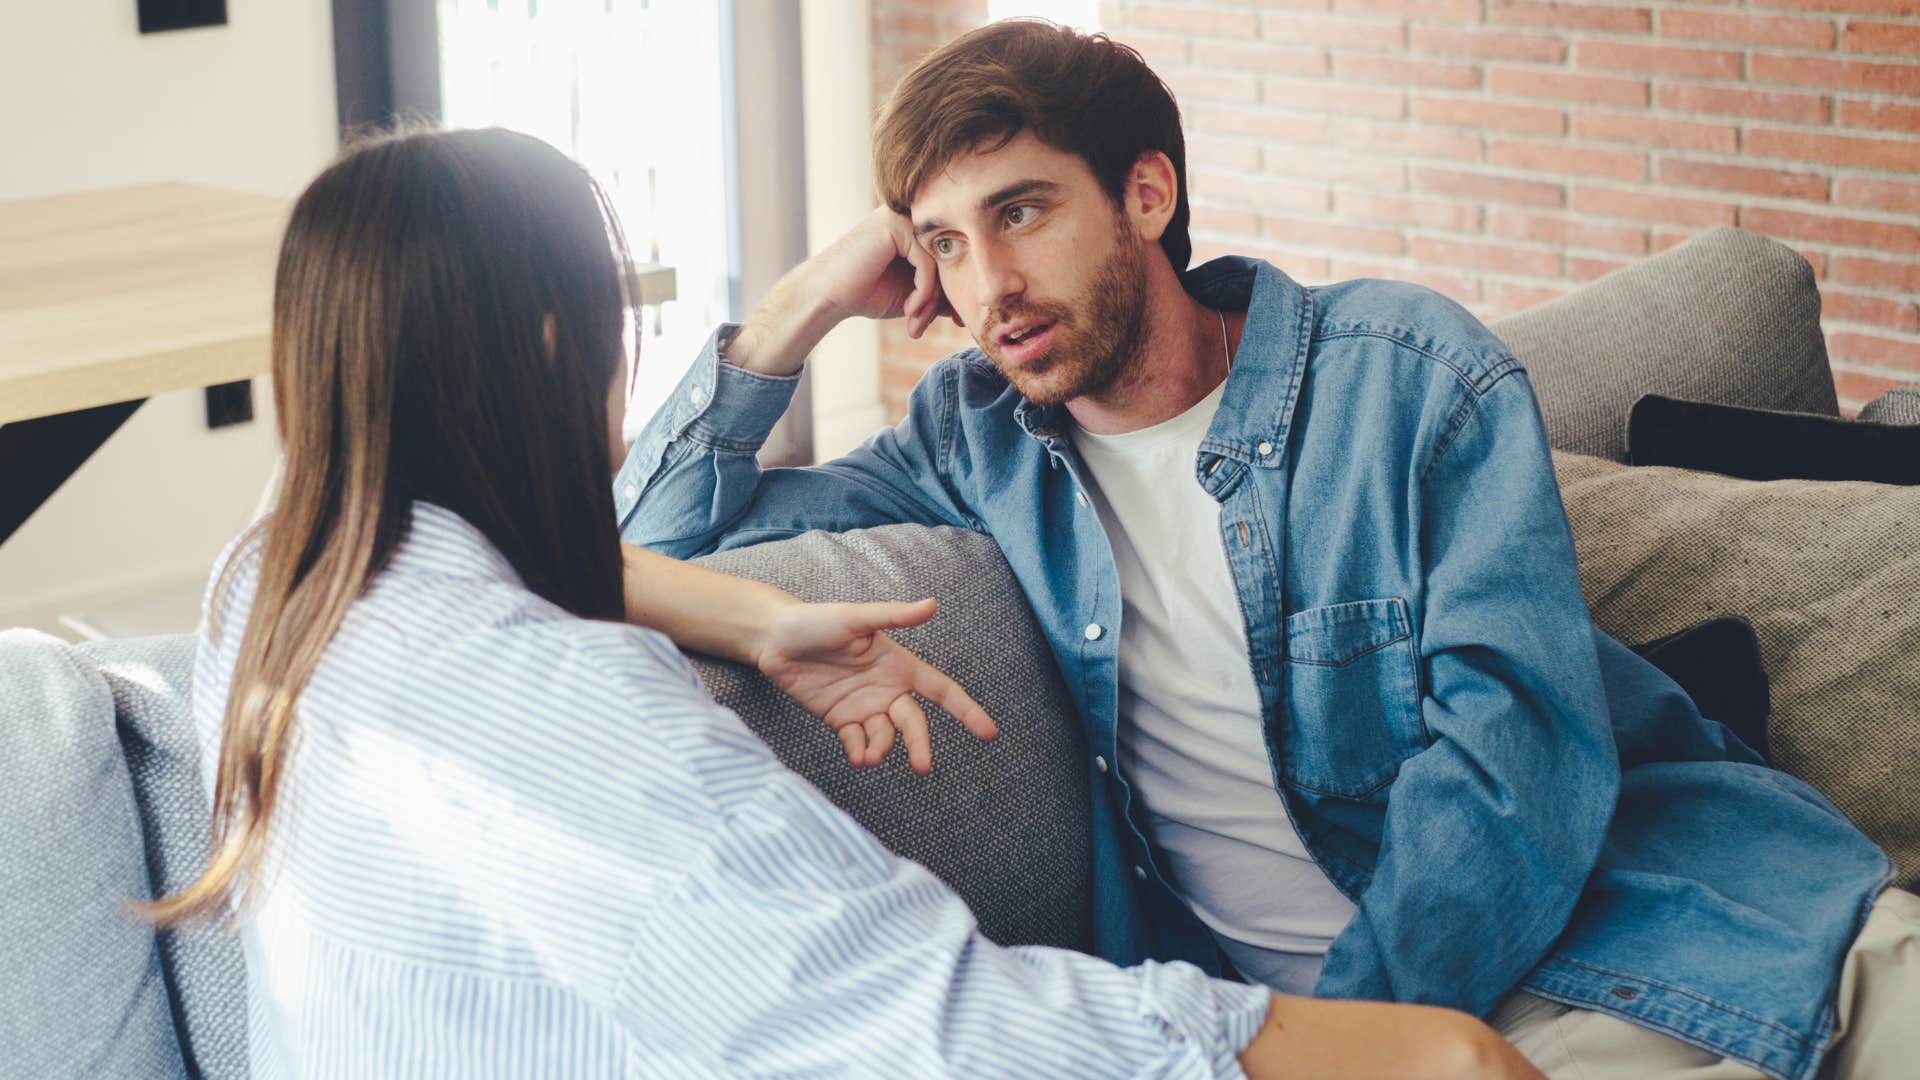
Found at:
<point>1153,192</point>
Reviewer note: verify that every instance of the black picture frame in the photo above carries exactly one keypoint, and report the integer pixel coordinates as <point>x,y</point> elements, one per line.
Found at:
<point>158,16</point>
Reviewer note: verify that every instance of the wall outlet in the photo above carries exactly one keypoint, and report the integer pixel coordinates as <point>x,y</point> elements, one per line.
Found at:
<point>229,404</point>
<point>158,15</point>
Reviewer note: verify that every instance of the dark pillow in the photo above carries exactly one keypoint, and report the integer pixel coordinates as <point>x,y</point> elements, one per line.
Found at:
<point>1760,444</point>
<point>1718,664</point>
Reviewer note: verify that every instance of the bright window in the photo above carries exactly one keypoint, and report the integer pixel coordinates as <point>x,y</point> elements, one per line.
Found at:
<point>634,91</point>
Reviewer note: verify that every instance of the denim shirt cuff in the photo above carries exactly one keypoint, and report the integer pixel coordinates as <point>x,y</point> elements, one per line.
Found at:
<point>724,408</point>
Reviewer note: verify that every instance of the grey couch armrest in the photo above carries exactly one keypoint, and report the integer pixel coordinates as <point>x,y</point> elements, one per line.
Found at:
<point>1729,316</point>
<point>150,682</point>
<point>83,993</point>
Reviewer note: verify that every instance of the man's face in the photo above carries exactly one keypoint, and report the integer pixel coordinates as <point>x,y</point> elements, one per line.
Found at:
<point>1046,272</point>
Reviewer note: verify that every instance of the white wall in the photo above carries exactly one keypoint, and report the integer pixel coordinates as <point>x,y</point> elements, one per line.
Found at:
<point>837,68</point>
<point>88,102</point>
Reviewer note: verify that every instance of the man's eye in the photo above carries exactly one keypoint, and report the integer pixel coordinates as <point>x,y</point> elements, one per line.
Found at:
<point>1019,215</point>
<point>943,246</point>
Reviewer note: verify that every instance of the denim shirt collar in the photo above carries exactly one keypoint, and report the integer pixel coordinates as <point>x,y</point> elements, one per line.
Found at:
<point>1251,426</point>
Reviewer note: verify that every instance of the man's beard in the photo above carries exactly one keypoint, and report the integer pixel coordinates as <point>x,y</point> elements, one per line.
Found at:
<point>1100,331</point>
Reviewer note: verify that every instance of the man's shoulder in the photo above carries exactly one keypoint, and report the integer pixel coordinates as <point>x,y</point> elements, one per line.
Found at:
<point>1418,321</point>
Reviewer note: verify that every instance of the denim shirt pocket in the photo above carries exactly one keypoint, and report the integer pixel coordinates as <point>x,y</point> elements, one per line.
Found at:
<point>1352,708</point>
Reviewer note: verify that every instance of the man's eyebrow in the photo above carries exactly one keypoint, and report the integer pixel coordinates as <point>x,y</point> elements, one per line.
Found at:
<point>1017,189</point>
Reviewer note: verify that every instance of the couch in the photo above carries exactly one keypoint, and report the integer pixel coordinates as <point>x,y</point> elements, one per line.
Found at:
<point>100,801</point>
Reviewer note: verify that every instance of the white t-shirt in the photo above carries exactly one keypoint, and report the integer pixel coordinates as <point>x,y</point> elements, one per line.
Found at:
<point>1190,725</point>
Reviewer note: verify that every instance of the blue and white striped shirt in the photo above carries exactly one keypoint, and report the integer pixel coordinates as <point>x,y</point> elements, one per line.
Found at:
<point>518,843</point>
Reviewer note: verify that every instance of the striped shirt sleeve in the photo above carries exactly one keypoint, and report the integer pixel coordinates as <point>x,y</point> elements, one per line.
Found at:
<point>797,942</point>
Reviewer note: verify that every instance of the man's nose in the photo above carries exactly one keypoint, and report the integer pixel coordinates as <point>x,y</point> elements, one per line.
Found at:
<point>997,279</point>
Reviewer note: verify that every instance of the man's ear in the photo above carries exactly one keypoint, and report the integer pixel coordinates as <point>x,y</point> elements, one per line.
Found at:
<point>1153,191</point>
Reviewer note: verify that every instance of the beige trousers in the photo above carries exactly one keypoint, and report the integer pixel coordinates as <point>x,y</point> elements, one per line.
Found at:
<point>1878,1037</point>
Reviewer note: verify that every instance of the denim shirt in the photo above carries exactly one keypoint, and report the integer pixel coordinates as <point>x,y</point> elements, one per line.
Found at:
<point>1510,798</point>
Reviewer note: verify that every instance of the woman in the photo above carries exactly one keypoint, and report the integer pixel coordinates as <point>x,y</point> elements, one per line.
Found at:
<point>472,823</point>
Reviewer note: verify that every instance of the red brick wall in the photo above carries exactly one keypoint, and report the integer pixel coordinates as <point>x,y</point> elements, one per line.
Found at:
<point>1506,151</point>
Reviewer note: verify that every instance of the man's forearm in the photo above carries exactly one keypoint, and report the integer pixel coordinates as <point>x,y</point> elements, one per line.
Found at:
<point>702,610</point>
<point>1311,1037</point>
<point>784,329</point>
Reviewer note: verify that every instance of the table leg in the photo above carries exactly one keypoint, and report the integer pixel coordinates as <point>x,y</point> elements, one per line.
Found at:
<point>38,455</point>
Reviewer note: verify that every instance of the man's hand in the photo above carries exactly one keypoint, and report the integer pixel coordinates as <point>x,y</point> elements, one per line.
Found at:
<point>835,661</point>
<point>876,271</point>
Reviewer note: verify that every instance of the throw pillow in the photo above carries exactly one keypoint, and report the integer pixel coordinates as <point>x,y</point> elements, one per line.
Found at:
<point>1760,444</point>
<point>1718,664</point>
<point>1825,572</point>
<point>1005,823</point>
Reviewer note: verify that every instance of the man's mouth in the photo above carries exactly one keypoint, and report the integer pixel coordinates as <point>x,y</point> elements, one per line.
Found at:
<point>1024,342</point>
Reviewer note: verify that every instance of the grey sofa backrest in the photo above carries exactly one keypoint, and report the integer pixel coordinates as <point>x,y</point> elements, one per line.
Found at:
<point>1729,316</point>
<point>1006,823</point>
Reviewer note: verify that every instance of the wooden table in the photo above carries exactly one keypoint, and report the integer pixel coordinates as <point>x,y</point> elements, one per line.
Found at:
<point>110,297</point>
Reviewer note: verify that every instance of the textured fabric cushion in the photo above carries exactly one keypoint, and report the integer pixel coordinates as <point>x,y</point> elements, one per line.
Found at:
<point>1728,316</point>
<point>1897,406</point>
<point>81,989</point>
<point>1764,444</point>
<point>1005,823</point>
<point>206,976</point>
<point>1827,573</point>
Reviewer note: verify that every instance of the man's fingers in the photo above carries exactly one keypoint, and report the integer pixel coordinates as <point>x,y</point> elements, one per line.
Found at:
<point>855,740</point>
<point>912,722</point>
<point>934,685</point>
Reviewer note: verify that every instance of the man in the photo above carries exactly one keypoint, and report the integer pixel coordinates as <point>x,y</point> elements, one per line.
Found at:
<point>1300,555</point>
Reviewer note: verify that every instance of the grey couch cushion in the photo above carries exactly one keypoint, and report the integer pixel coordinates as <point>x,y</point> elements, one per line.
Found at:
<point>149,679</point>
<point>81,989</point>
<point>1827,574</point>
<point>1729,317</point>
<point>1004,823</point>
<point>1898,406</point>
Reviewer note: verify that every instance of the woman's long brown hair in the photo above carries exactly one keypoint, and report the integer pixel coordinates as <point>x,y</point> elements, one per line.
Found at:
<point>447,319</point>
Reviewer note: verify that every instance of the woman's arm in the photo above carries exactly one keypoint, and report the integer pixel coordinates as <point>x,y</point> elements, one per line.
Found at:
<point>702,610</point>
<point>834,659</point>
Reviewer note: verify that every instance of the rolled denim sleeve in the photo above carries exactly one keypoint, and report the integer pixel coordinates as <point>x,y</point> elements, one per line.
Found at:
<point>693,484</point>
<point>1492,830</point>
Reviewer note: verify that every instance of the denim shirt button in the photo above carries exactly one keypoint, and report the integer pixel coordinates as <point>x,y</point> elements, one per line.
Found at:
<point>1094,631</point>
<point>1100,763</point>
<point>629,492</point>
<point>1080,497</point>
<point>1140,873</point>
<point>698,393</point>
<point>1265,448</point>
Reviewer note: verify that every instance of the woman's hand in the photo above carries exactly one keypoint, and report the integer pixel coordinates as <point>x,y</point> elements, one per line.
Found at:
<point>835,661</point>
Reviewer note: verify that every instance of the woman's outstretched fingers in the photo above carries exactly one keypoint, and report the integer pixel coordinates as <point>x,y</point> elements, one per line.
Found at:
<point>912,722</point>
<point>855,740</point>
<point>934,685</point>
<point>880,736</point>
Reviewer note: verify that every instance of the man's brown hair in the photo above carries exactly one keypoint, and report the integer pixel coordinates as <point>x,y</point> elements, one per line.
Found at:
<point>1085,94</point>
